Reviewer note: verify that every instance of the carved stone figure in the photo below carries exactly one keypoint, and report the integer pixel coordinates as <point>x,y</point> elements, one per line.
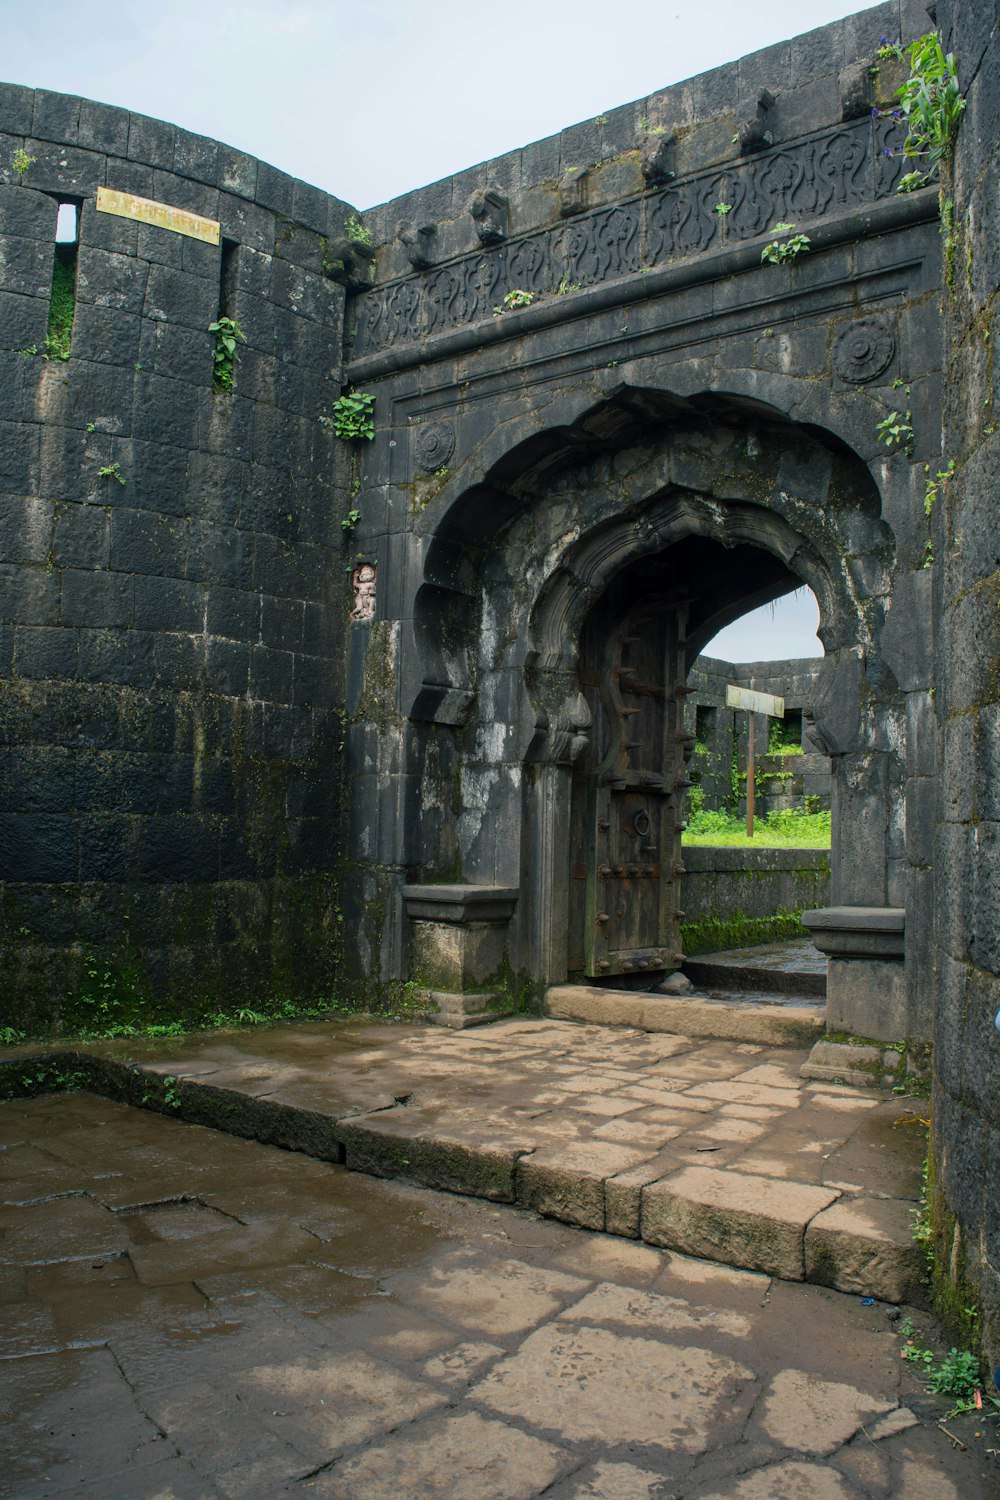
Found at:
<point>363,582</point>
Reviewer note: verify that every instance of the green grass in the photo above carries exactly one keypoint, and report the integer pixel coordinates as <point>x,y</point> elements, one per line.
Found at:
<point>789,828</point>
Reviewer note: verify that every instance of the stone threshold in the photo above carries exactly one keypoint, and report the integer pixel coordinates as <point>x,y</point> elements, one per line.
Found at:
<point>794,1231</point>
<point>688,1015</point>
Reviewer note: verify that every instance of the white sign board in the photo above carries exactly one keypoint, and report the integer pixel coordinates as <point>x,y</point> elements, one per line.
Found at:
<point>755,703</point>
<point>164,215</point>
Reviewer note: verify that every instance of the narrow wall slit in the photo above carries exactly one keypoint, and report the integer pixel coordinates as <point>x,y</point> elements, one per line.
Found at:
<point>62,302</point>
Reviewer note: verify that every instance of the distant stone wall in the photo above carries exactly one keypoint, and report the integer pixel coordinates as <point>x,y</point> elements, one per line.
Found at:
<point>172,586</point>
<point>726,883</point>
<point>966,796</point>
<point>782,781</point>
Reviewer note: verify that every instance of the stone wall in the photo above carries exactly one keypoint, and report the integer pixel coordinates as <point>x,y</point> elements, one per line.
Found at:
<point>727,883</point>
<point>171,579</point>
<point>967,701</point>
<point>783,781</point>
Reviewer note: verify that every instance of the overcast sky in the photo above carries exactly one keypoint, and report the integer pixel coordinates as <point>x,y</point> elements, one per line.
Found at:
<point>369,98</point>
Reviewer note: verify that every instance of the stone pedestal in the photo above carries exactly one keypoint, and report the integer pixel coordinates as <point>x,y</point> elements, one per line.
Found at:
<point>866,991</point>
<point>458,944</point>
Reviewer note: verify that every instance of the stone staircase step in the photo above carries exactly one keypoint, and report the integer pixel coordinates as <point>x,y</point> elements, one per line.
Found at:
<point>792,968</point>
<point>725,1019</point>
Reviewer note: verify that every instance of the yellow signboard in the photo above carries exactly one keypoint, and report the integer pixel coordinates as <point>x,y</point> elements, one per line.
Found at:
<point>147,211</point>
<point>754,702</point>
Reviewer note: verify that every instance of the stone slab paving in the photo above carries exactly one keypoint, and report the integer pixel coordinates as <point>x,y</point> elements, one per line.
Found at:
<point>714,1148</point>
<point>188,1316</point>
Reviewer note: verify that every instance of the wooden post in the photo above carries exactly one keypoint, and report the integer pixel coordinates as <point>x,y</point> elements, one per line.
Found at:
<point>750,776</point>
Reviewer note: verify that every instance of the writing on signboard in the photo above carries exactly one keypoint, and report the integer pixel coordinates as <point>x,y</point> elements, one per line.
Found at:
<point>148,211</point>
<point>755,703</point>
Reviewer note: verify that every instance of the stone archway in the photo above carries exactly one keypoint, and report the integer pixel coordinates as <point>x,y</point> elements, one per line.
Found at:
<point>509,583</point>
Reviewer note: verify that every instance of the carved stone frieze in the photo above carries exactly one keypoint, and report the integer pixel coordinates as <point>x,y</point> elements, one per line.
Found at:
<point>796,182</point>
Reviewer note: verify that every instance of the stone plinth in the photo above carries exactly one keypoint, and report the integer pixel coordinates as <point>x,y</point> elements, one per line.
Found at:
<point>865,987</point>
<point>458,936</point>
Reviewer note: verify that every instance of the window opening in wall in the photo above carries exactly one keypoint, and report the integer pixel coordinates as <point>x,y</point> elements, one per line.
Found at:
<point>784,736</point>
<point>228,333</point>
<point>227,278</point>
<point>62,303</point>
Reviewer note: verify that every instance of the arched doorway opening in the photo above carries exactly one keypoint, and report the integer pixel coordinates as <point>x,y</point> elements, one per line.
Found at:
<point>630,781</point>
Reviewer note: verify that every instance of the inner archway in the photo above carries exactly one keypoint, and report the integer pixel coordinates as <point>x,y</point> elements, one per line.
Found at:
<point>629,782</point>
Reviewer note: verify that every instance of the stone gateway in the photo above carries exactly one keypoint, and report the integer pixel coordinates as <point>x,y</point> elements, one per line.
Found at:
<point>354,567</point>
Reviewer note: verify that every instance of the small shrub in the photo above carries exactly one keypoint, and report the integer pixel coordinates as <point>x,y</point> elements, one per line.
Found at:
<point>228,334</point>
<point>787,248</point>
<point>353,417</point>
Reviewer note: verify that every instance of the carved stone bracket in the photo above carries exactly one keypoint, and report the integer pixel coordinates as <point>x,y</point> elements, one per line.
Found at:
<point>754,134</point>
<point>418,242</point>
<point>656,157</point>
<point>855,93</point>
<point>489,210</point>
<point>573,191</point>
<point>350,262</point>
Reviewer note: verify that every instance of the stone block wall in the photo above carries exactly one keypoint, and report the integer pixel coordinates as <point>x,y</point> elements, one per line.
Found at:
<point>782,781</point>
<point>726,883</point>
<point>172,586</point>
<point>966,797</point>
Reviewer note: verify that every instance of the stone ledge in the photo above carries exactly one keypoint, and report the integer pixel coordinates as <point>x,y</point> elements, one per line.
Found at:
<point>857,931</point>
<point>460,904</point>
<point>756,1223</point>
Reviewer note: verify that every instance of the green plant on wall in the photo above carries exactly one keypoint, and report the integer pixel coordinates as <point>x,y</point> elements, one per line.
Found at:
<point>356,231</point>
<point>21,161</point>
<point>930,106</point>
<point>515,299</point>
<point>353,416</point>
<point>228,334</point>
<point>786,248</point>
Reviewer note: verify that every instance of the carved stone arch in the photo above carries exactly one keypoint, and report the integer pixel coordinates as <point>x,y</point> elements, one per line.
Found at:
<point>471,523</point>
<point>554,627</point>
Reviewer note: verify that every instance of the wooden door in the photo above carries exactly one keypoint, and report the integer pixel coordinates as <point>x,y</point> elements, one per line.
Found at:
<point>629,796</point>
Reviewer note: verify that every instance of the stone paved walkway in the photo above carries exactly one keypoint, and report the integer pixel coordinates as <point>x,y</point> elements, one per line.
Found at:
<point>717,1149</point>
<point>186,1315</point>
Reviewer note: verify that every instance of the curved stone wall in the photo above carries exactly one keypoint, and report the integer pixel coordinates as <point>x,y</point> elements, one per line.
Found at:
<point>171,577</point>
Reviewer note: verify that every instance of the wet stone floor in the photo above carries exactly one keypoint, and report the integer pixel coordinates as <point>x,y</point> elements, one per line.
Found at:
<point>189,1315</point>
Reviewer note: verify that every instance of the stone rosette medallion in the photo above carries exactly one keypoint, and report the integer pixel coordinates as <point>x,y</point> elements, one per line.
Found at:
<point>433,446</point>
<point>863,351</point>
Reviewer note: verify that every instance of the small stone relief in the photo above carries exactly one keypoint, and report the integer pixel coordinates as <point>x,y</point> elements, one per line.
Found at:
<point>363,582</point>
<point>863,351</point>
<point>489,210</point>
<point>433,446</point>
